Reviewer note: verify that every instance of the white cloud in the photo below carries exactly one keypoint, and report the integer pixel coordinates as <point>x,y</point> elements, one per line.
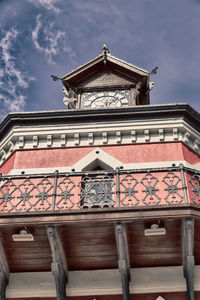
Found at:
<point>8,59</point>
<point>47,4</point>
<point>12,80</point>
<point>49,40</point>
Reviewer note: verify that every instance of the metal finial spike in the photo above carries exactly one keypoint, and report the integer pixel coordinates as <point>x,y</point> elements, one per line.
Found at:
<point>154,71</point>
<point>105,49</point>
<point>55,78</point>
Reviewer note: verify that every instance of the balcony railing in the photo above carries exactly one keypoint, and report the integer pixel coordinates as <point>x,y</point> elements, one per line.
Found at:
<point>119,188</point>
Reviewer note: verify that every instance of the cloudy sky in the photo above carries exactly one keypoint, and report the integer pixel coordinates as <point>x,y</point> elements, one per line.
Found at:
<point>43,37</point>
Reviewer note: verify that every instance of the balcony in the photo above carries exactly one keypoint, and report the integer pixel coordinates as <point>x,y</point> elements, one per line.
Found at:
<point>89,210</point>
<point>99,190</point>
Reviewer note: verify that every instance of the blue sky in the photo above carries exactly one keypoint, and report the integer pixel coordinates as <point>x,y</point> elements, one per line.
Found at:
<point>43,37</point>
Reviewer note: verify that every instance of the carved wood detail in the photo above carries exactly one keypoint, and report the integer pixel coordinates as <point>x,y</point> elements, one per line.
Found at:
<point>188,256</point>
<point>123,259</point>
<point>106,79</point>
<point>59,264</point>
<point>4,272</point>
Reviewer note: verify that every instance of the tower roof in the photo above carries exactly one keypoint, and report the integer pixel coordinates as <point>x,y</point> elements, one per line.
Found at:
<point>102,61</point>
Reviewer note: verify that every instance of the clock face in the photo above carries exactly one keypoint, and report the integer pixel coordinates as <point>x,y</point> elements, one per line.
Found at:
<point>106,99</point>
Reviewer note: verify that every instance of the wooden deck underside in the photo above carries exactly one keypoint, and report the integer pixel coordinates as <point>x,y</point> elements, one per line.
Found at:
<point>92,246</point>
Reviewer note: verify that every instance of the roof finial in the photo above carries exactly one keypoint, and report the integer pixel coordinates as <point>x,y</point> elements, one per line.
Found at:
<point>105,51</point>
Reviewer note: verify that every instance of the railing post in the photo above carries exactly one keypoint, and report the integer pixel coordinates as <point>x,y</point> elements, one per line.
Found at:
<point>184,187</point>
<point>54,190</point>
<point>118,186</point>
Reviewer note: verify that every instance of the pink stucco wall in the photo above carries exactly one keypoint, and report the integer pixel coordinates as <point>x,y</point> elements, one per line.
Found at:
<point>44,158</point>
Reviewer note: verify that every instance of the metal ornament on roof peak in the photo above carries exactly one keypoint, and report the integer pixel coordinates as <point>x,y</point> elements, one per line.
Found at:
<point>154,71</point>
<point>105,51</point>
<point>55,78</point>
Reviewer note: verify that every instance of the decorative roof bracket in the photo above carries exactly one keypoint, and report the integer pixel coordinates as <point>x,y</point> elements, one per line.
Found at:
<point>59,265</point>
<point>188,256</point>
<point>123,259</point>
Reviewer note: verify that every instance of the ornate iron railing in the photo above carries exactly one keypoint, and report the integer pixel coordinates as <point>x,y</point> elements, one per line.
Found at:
<point>119,188</point>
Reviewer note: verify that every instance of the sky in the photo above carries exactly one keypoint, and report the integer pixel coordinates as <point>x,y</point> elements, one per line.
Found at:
<point>43,37</point>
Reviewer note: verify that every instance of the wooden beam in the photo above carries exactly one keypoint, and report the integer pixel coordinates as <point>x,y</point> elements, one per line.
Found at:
<point>4,272</point>
<point>105,215</point>
<point>188,256</point>
<point>59,265</point>
<point>123,259</point>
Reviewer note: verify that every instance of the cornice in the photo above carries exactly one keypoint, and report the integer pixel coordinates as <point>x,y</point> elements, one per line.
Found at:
<point>88,115</point>
<point>60,129</point>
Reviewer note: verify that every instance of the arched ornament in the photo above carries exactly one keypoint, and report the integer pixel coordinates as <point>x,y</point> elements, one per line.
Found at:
<point>97,157</point>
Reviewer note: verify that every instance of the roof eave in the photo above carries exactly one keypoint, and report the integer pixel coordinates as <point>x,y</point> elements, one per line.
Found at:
<point>128,66</point>
<point>74,115</point>
<point>100,58</point>
<point>82,68</point>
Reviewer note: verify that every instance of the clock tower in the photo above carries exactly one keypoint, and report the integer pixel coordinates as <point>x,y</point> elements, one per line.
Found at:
<point>101,200</point>
<point>106,82</point>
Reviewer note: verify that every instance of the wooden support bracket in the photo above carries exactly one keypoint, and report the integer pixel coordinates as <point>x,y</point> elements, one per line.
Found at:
<point>4,272</point>
<point>188,256</point>
<point>123,259</point>
<point>59,265</point>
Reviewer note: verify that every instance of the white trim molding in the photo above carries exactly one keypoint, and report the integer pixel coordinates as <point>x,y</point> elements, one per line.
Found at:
<point>101,282</point>
<point>104,133</point>
<point>94,158</point>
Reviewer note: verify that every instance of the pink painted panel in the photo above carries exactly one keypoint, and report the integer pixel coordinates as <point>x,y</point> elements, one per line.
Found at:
<point>146,152</point>
<point>43,158</point>
<point>8,164</point>
<point>189,155</point>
